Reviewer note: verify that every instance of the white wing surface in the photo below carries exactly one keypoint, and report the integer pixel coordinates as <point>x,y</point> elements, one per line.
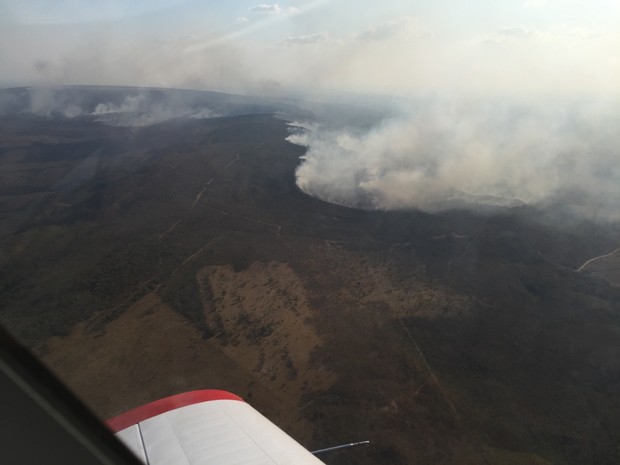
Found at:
<point>206,428</point>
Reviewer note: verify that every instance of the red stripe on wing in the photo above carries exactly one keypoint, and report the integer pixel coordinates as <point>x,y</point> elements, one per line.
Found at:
<point>132,417</point>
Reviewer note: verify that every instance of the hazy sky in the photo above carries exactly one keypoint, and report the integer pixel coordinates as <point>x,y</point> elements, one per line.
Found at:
<point>520,47</point>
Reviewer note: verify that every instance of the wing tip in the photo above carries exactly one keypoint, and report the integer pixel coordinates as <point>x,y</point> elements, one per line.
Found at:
<point>146,411</point>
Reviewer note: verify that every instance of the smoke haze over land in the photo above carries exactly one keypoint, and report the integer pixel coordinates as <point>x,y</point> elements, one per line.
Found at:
<point>513,102</point>
<point>395,47</point>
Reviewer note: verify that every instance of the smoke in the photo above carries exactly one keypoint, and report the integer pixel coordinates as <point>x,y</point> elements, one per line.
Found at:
<point>437,155</point>
<point>139,110</point>
<point>124,107</point>
<point>47,102</point>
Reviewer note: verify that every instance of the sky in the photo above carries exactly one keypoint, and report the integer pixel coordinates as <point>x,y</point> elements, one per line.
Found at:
<point>395,47</point>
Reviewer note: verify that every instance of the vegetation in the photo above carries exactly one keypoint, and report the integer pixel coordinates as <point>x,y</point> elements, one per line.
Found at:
<point>448,338</point>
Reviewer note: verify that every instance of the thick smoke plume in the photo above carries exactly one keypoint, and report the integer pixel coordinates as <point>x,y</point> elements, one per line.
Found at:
<point>440,155</point>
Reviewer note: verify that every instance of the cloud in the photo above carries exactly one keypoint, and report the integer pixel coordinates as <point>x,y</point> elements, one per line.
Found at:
<point>558,35</point>
<point>242,20</point>
<point>510,34</point>
<point>468,154</point>
<point>275,9</point>
<point>307,39</point>
<point>266,8</point>
<point>403,27</point>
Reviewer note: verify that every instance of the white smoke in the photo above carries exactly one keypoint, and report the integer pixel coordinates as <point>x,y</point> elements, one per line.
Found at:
<point>45,101</point>
<point>140,107</point>
<point>132,103</point>
<point>139,110</point>
<point>440,155</point>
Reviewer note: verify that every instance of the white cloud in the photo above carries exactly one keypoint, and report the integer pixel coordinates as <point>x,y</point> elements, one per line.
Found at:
<point>242,20</point>
<point>558,35</point>
<point>266,8</point>
<point>275,9</point>
<point>512,33</point>
<point>404,27</point>
<point>307,39</point>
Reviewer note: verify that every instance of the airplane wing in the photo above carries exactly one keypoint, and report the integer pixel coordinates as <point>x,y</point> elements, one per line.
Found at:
<point>43,422</point>
<point>206,427</point>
